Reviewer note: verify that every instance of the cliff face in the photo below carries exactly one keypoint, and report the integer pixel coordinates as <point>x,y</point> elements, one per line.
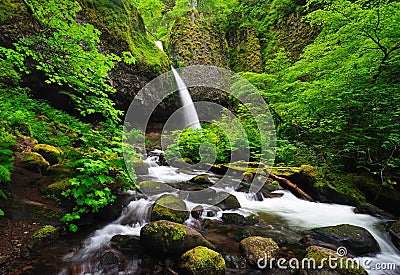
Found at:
<point>244,49</point>
<point>194,40</point>
<point>122,30</point>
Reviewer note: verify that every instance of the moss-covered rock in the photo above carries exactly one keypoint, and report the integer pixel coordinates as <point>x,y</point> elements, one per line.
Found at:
<point>42,236</point>
<point>201,179</point>
<point>386,198</point>
<point>255,248</point>
<point>357,240</point>
<point>58,187</point>
<point>394,233</point>
<point>50,153</point>
<point>321,256</point>
<point>149,187</point>
<point>202,260</point>
<point>140,167</point>
<point>171,208</point>
<point>35,162</point>
<point>170,238</point>
<point>197,211</point>
<point>229,203</point>
<point>244,49</point>
<point>194,40</point>
<point>126,243</point>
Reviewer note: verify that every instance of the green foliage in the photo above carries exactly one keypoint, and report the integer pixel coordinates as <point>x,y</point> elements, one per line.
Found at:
<point>207,145</point>
<point>100,168</point>
<point>97,164</point>
<point>66,51</point>
<point>340,101</point>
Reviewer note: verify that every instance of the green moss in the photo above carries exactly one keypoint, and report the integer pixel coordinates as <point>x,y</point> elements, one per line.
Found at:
<point>197,41</point>
<point>58,187</point>
<point>175,233</point>
<point>35,161</point>
<point>46,232</point>
<point>344,265</point>
<point>120,21</point>
<point>170,208</point>
<point>202,260</point>
<point>50,153</point>
<point>244,49</point>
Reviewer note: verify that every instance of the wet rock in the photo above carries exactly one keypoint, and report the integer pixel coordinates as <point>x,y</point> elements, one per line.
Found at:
<point>126,243</point>
<point>170,238</point>
<point>235,261</point>
<point>171,208</point>
<point>197,211</point>
<point>201,179</point>
<point>113,210</point>
<point>50,153</point>
<point>57,187</point>
<point>230,202</point>
<point>207,195</point>
<point>321,256</point>
<point>34,162</point>
<point>149,187</point>
<point>27,210</point>
<point>234,218</point>
<point>42,236</point>
<point>367,208</point>
<point>109,262</point>
<point>140,167</point>
<point>255,248</point>
<point>202,260</point>
<point>357,240</point>
<point>394,233</point>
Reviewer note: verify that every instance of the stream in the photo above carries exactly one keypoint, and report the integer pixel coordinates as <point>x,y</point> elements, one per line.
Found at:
<point>286,216</point>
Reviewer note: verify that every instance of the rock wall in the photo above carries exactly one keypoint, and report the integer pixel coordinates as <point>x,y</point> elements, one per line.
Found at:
<point>122,29</point>
<point>194,40</point>
<point>244,49</point>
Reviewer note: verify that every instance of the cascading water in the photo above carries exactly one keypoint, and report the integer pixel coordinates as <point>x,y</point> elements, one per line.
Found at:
<point>288,216</point>
<point>189,111</point>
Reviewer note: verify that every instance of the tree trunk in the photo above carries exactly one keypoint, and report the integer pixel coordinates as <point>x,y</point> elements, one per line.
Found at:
<point>289,184</point>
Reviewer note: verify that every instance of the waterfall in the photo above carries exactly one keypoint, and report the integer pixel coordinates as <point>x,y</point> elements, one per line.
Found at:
<point>189,111</point>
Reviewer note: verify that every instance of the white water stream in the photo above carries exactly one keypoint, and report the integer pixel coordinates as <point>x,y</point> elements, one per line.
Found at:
<point>294,213</point>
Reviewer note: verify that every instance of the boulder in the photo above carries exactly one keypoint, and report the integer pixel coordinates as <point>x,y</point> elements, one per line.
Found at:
<point>171,208</point>
<point>35,162</point>
<point>394,233</point>
<point>170,238</point>
<point>50,153</point>
<point>367,208</point>
<point>57,187</point>
<point>109,263</point>
<point>197,211</point>
<point>255,248</point>
<point>126,243</point>
<point>230,202</point>
<point>234,218</point>
<point>321,255</point>
<point>42,236</point>
<point>357,240</point>
<point>201,180</point>
<point>202,260</point>
<point>149,187</point>
<point>140,167</point>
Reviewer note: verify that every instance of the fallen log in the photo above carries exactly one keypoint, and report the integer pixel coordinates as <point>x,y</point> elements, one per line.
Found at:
<point>289,184</point>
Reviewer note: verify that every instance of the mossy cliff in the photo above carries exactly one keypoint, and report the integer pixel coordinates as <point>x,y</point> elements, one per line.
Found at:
<point>194,40</point>
<point>122,30</point>
<point>244,49</point>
